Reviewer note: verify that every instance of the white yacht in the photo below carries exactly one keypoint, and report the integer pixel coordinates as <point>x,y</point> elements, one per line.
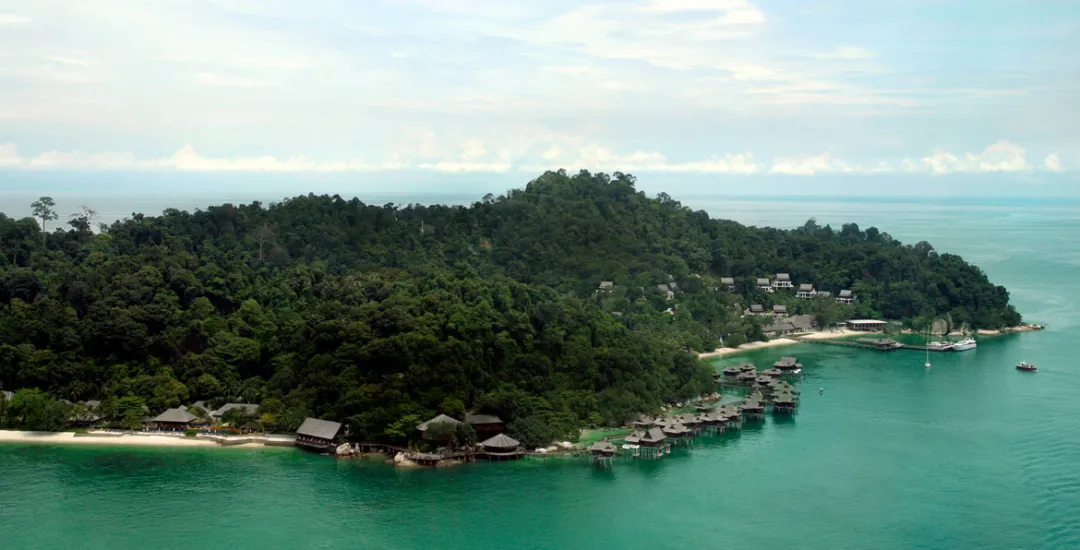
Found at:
<point>964,345</point>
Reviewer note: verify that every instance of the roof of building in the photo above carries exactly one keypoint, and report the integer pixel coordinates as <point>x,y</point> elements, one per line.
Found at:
<point>249,408</point>
<point>779,308</point>
<point>783,277</point>
<point>476,419</point>
<point>441,419</point>
<point>756,308</point>
<point>806,287</point>
<point>824,294</point>
<point>321,429</point>
<point>606,284</point>
<point>501,441</point>
<point>654,435</point>
<point>845,293</point>
<point>603,447</point>
<point>175,416</point>
<point>727,280</point>
<point>866,322</point>
<point>7,395</point>
<point>779,327</point>
<point>802,322</point>
<point>762,281</point>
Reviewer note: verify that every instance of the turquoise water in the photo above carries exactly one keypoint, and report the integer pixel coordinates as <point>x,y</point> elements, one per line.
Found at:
<point>967,454</point>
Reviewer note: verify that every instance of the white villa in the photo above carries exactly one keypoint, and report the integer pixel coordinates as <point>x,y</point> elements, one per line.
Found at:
<point>606,286</point>
<point>845,297</point>
<point>782,282</point>
<point>668,290</point>
<point>806,290</point>
<point>764,284</point>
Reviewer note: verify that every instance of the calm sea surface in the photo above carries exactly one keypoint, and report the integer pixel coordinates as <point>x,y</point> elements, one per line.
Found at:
<point>967,454</point>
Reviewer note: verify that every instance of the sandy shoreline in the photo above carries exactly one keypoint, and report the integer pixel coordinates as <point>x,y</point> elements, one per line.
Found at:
<point>777,342</point>
<point>70,438</point>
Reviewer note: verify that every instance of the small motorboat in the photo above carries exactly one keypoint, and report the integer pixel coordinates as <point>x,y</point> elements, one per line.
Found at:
<point>1025,366</point>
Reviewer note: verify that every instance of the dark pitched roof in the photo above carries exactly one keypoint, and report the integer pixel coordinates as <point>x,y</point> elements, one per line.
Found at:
<point>477,419</point>
<point>806,287</point>
<point>845,294</point>
<point>501,441</point>
<point>603,447</point>
<point>802,322</point>
<point>756,308</point>
<point>762,281</point>
<point>779,327</point>
<point>783,277</point>
<point>727,280</point>
<point>441,419</point>
<point>175,416</point>
<point>321,429</point>
<point>654,435</point>
<point>250,408</point>
<point>606,285</point>
<point>779,308</point>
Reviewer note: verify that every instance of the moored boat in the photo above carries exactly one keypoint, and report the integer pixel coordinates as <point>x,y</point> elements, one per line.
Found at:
<point>1025,366</point>
<point>965,344</point>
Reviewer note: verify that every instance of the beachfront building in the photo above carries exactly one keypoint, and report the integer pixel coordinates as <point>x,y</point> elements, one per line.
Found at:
<point>317,435</point>
<point>756,309</point>
<point>779,310</point>
<point>845,297</point>
<point>88,416</point>
<point>728,282</point>
<point>248,408</point>
<point>764,284</point>
<point>501,447</point>
<point>782,282</point>
<point>602,453</point>
<point>780,328</point>
<point>866,325</point>
<point>178,419</point>
<point>806,290</point>
<point>485,425</point>
<point>605,287</point>
<point>424,427</point>
<point>802,323</point>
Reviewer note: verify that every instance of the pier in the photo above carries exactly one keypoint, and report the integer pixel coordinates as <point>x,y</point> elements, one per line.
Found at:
<point>879,344</point>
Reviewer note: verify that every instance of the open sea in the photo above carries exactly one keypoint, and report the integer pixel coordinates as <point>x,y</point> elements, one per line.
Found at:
<point>970,453</point>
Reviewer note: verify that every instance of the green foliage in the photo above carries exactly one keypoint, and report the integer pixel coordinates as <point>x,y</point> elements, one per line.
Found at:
<point>36,410</point>
<point>191,433</point>
<point>384,316</point>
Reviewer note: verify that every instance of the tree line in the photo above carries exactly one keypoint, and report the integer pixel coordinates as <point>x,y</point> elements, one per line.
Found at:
<point>384,315</point>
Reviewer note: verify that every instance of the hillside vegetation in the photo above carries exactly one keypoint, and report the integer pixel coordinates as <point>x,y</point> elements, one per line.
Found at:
<point>385,315</point>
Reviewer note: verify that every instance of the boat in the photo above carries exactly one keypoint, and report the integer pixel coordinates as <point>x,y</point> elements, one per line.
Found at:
<point>965,344</point>
<point>940,346</point>
<point>928,344</point>
<point>1025,366</point>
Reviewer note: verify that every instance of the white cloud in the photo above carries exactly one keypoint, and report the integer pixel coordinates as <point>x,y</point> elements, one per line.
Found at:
<point>808,165</point>
<point>211,79</point>
<point>1052,163</point>
<point>1003,156</point>
<point>9,155</point>
<point>68,61</point>
<point>847,53</point>
<point>12,19</point>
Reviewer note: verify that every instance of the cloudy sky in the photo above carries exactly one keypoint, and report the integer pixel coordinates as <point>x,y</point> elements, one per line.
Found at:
<point>734,91</point>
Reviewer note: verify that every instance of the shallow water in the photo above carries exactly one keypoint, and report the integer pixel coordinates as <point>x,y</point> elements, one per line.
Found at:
<point>967,454</point>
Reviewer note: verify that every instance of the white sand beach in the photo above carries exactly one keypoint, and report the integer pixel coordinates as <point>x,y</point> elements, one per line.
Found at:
<point>155,440</point>
<point>776,342</point>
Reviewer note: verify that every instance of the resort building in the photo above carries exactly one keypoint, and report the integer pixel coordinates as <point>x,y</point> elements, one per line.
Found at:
<point>845,297</point>
<point>866,325</point>
<point>87,418</point>
<point>668,290</point>
<point>317,435</point>
<point>778,329</point>
<point>603,452</point>
<point>249,408</point>
<point>728,282</point>
<point>756,309</point>
<point>764,284</point>
<point>173,419</point>
<point>501,447</point>
<point>806,290</point>
<point>441,419</point>
<point>485,425</point>
<point>779,310</point>
<point>782,282</point>
<point>606,287</point>
<point>802,323</point>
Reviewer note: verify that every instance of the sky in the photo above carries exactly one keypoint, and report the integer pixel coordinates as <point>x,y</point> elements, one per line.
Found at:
<point>726,96</point>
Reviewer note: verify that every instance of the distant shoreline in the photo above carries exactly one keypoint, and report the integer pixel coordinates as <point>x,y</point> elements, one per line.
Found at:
<point>139,440</point>
<point>777,342</point>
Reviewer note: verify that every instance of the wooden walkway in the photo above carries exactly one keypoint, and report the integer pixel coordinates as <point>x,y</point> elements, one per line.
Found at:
<point>892,345</point>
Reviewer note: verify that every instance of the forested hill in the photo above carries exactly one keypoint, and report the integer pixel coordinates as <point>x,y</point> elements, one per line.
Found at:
<point>384,315</point>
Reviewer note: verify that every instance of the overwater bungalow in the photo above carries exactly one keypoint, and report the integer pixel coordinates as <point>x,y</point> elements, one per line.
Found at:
<point>174,420</point>
<point>732,371</point>
<point>773,372</point>
<point>485,425</point>
<point>317,435</point>
<point>501,447</point>
<point>705,408</point>
<point>644,422</point>
<point>678,433</point>
<point>746,377</point>
<point>752,409</point>
<point>651,443</point>
<point>784,403</point>
<point>602,453</point>
<point>747,367</point>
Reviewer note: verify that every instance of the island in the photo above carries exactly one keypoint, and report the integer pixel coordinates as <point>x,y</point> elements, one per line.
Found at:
<point>576,301</point>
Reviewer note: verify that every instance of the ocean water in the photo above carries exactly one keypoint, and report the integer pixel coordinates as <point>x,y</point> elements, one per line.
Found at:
<point>967,454</point>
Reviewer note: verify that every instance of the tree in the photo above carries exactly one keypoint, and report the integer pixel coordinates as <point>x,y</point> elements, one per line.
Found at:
<point>83,219</point>
<point>43,209</point>
<point>36,410</point>
<point>129,412</point>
